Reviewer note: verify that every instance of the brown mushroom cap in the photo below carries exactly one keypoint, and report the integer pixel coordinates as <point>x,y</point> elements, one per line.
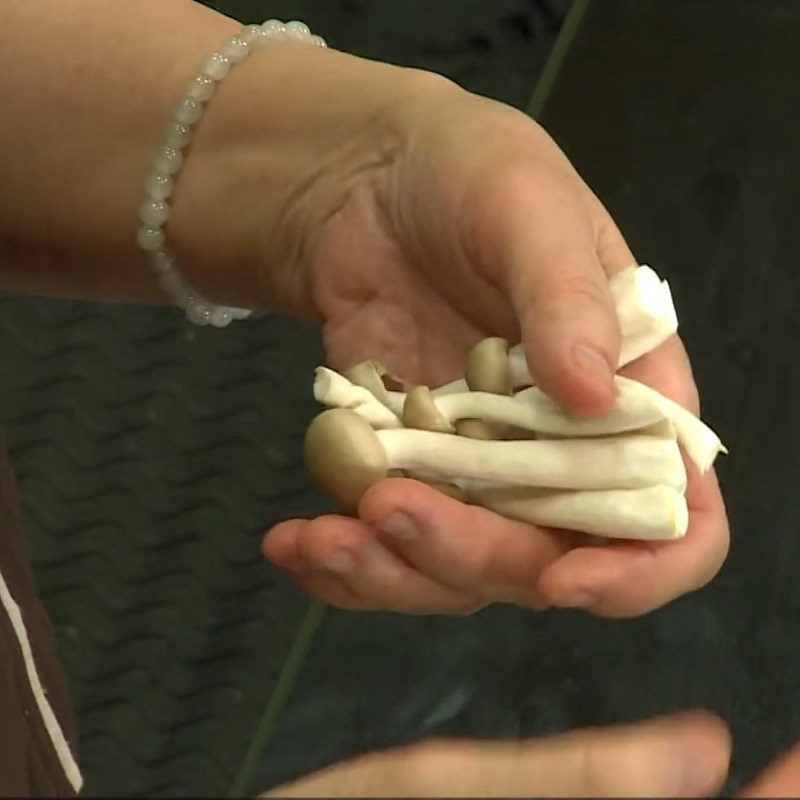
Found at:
<point>344,456</point>
<point>419,411</point>
<point>479,429</point>
<point>488,367</point>
<point>368,375</point>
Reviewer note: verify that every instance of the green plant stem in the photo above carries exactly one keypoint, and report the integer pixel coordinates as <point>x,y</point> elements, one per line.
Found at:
<point>552,67</point>
<point>284,686</point>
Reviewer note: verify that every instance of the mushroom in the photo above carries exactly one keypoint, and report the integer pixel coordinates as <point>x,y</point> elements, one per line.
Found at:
<point>638,406</point>
<point>650,513</point>
<point>531,410</point>
<point>702,445</point>
<point>488,368</point>
<point>345,456</point>
<point>334,390</point>
<point>420,412</point>
<point>645,312</point>
<point>369,375</point>
<point>489,371</point>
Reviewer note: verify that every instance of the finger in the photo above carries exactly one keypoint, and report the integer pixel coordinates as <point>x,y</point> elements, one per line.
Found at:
<point>626,578</point>
<point>683,755</point>
<point>467,548</point>
<point>345,549</point>
<point>612,249</point>
<point>781,779</point>
<point>623,579</point>
<point>667,369</point>
<point>538,226</point>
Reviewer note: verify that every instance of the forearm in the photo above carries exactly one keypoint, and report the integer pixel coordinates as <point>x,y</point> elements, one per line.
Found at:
<point>86,92</point>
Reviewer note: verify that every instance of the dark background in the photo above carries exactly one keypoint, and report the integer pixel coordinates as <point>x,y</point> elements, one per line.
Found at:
<point>151,456</point>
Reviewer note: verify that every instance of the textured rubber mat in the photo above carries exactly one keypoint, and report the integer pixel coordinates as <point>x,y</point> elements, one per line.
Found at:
<point>151,456</point>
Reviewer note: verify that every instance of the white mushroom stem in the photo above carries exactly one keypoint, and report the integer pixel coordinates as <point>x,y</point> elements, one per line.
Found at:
<point>613,463</point>
<point>701,444</point>
<point>645,312</point>
<point>638,400</point>
<point>533,410</point>
<point>335,391</point>
<point>651,513</point>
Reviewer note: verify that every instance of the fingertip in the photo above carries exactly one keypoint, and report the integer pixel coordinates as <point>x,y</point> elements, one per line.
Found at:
<point>706,744</point>
<point>279,545</point>
<point>578,377</point>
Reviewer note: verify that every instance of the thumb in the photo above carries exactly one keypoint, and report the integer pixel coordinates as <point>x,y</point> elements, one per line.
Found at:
<point>560,293</point>
<point>682,755</point>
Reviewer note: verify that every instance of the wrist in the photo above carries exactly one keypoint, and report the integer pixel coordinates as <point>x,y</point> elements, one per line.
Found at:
<point>275,155</point>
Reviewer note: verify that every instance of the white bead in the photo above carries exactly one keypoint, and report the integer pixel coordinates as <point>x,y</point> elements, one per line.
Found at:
<point>251,33</point>
<point>216,66</point>
<point>159,187</point>
<point>220,316</point>
<point>187,111</point>
<point>297,30</point>
<point>201,88</point>
<point>154,213</point>
<point>240,313</point>
<point>162,262</point>
<point>178,135</point>
<point>318,41</point>
<point>235,49</point>
<point>168,161</point>
<point>273,26</point>
<point>198,313</point>
<point>150,239</point>
<point>260,40</point>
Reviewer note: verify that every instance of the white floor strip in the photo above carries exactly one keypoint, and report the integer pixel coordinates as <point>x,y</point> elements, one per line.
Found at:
<point>50,722</point>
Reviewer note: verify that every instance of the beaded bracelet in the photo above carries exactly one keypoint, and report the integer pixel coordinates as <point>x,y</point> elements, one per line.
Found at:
<point>159,184</point>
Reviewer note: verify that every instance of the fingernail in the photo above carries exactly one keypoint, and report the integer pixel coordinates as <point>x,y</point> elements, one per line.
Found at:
<point>589,359</point>
<point>577,600</point>
<point>399,526</point>
<point>340,563</point>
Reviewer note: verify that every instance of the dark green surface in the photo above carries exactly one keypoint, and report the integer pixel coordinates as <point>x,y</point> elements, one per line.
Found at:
<point>151,456</point>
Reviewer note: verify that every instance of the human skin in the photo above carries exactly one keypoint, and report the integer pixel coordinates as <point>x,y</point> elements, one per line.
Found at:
<point>680,755</point>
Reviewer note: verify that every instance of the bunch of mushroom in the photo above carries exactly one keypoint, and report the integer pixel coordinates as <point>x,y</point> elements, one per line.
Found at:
<point>495,440</point>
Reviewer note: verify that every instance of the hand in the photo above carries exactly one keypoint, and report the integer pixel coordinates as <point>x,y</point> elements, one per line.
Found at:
<point>412,219</point>
<point>682,755</point>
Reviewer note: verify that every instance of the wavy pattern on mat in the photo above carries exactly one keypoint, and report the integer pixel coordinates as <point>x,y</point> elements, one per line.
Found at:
<point>150,459</point>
